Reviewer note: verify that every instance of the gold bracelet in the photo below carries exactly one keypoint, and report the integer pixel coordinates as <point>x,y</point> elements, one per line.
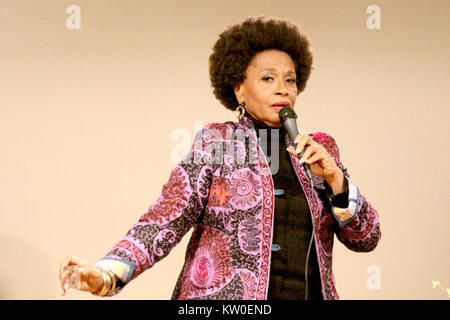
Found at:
<point>113,282</point>
<point>106,284</point>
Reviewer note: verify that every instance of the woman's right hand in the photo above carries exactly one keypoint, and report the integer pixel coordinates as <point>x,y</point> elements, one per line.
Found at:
<point>91,278</point>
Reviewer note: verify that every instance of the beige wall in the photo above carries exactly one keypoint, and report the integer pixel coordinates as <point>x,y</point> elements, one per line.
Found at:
<point>86,118</point>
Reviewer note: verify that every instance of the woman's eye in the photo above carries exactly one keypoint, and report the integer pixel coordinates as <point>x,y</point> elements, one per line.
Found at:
<point>290,80</point>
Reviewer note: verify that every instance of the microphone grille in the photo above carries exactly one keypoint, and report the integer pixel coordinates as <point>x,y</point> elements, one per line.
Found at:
<point>287,113</point>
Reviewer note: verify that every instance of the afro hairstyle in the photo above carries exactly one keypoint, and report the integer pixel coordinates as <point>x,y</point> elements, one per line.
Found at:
<point>239,43</point>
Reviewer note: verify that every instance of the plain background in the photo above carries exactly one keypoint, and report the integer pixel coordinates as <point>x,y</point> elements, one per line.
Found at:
<point>87,118</point>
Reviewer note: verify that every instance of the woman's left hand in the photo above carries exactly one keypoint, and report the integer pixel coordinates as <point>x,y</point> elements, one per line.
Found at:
<point>320,161</point>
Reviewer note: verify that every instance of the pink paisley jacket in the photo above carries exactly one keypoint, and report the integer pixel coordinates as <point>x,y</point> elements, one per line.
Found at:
<point>223,188</point>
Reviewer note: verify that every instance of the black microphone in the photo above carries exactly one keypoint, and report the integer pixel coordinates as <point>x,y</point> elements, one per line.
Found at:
<point>289,120</point>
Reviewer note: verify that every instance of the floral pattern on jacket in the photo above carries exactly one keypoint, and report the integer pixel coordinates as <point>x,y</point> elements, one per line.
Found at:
<point>223,188</point>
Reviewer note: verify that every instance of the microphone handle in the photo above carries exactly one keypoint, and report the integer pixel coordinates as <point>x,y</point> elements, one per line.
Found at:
<point>291,127</point>
<point>306,166</point>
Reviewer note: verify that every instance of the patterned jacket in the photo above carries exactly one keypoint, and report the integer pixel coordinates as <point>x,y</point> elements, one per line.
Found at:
<point>223,188</point>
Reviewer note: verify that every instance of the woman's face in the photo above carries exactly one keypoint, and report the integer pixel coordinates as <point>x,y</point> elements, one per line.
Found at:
<point>270,79</point>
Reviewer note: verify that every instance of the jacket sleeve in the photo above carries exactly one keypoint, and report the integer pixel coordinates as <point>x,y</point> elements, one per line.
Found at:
<point>176,210</point>
<point>358,226</point>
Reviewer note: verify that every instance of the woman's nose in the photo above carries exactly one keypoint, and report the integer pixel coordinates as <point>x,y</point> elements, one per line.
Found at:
<point>284,93</point>
<point>282,89</point>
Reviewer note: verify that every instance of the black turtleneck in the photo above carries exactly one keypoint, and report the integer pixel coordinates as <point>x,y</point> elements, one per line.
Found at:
<point>292,224</point>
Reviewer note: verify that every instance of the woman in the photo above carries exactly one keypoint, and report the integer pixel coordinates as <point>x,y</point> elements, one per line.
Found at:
<point>252,221</point>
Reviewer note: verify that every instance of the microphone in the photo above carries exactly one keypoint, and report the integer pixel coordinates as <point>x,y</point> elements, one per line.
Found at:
<point>289,120</point>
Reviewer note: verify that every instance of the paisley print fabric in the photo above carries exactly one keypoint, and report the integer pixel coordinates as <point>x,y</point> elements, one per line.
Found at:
<point>244,189</point>
<point>248,281</point>
<point>175,196</point>
<point>219,194</point>
<point>223,188</point>
<point>210,266</point>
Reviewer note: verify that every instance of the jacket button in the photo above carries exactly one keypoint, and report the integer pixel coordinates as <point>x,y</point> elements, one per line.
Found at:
<point>275,247</point>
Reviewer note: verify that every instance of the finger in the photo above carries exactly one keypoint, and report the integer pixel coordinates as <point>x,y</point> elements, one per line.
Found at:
<point>297,152</point>
<point>316,149</point>
<point>63,265</point>
<point>308,152</point>
<point>77,261</point>
<point>314,158</point>
<point>61,282</point>
<point>300,135</point>
<point>73,278</point>
<point>62,271</point>
<point>291,150</point>
<point>65,280</point>
<point>303,141</point>
<point>298,139</point>
<point>69,261</point>
<point>63,268</point>
<point>66,273</point>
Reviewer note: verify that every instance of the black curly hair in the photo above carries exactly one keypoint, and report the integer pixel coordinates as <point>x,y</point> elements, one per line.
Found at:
<point>237,45</point>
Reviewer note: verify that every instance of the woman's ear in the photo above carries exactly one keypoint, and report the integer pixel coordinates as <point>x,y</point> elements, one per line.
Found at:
<point>238,92</point>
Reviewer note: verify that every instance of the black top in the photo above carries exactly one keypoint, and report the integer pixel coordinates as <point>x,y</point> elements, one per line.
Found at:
<point>292,227</point>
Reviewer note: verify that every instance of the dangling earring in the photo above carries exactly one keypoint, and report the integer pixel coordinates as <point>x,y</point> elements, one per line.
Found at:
<point>240,111</point>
